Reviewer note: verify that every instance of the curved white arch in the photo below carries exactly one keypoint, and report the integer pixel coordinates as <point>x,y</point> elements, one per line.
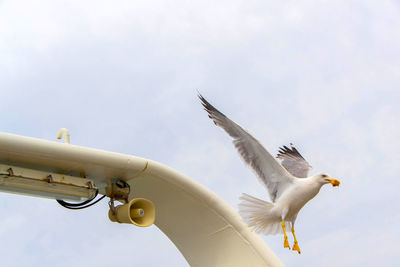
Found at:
<point>206,230</point>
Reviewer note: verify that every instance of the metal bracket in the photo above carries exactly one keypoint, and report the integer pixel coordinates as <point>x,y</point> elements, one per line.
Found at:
<point>118,189</point>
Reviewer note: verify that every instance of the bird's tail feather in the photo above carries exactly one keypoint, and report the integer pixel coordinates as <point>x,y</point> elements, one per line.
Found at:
<point>257,214</point>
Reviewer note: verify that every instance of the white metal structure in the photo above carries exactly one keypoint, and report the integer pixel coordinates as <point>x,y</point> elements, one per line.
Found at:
<point>205,229</point>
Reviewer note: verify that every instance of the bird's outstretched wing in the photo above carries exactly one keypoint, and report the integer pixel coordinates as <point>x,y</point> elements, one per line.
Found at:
<point>293,161</point>
<point>268,170</point>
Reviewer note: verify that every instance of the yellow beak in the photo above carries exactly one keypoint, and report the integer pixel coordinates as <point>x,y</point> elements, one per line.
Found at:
<point>334,182</point>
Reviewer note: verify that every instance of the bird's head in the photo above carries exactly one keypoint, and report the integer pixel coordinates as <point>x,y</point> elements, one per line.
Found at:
<point>326,179</point>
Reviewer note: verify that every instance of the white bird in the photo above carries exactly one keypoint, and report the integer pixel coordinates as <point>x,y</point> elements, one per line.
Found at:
<point>288,183</point>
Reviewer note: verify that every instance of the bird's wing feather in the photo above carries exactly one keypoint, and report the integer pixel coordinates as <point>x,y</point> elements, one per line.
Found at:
<point>293,161</point>
<point>268,170</point>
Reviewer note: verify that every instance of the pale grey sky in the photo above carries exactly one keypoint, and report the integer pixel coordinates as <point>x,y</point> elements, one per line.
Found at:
<point>123,75</point>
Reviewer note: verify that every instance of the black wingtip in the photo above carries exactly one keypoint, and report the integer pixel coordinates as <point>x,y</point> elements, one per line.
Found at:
<point>199,94</point>
<point>207,106</point>
<point>204,102</point>
<point>213,113</point>
<point>292,151</point>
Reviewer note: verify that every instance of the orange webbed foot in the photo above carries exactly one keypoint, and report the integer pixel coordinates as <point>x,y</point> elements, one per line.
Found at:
<point>286,243</point>
<point>296,247</point>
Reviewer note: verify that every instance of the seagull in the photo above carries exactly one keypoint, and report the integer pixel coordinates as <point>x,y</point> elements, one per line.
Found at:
<point>287,182</point>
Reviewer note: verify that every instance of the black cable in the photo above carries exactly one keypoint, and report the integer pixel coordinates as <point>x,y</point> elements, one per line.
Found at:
<point>62,202</point>
<point>77,206</point>
<point>81,207</point>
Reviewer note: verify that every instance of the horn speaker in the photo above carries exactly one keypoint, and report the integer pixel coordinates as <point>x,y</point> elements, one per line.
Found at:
<point>138,211</point>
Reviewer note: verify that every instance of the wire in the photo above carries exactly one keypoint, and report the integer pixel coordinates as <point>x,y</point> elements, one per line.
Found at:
<point>82,205</point>
<point>78,204</point>
<point>78,208</point>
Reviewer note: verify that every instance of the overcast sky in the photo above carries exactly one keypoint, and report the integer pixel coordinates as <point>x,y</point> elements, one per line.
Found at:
<point>123,76</point>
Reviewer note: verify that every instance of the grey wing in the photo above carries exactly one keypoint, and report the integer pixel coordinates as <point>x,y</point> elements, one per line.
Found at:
<point>268,170</point>
<point>293,161</point>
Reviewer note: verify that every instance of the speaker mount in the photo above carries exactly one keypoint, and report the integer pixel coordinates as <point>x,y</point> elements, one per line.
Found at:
<point>138,211</point>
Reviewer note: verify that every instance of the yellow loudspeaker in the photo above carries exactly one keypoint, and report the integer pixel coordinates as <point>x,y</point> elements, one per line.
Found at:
<point>138,211</point>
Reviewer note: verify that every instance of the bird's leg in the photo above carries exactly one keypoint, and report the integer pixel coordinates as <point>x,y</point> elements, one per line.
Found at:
<point>285,241</point>
<point>295,245</point>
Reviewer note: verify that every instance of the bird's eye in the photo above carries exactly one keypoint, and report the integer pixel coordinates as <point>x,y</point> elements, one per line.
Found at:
<point>324,175</point>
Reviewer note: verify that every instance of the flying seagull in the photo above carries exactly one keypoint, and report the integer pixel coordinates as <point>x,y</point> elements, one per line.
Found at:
<point>288,183</point>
